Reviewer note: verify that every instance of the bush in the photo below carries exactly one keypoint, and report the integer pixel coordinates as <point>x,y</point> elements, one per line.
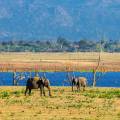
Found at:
<point>4,94</point>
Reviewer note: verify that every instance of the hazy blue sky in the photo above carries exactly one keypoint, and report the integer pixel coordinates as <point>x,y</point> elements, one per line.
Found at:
<point>48,19</point>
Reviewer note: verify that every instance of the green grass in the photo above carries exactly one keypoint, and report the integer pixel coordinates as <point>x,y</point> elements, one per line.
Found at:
<point>96,93</point>
<point>4,94</point>
<point>92,104</point>
<point>7,94</point>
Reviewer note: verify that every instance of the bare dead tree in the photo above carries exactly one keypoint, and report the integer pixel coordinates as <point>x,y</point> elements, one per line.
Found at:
<point>14,79</point>
<point>17,78</point>
<point>95,70</point>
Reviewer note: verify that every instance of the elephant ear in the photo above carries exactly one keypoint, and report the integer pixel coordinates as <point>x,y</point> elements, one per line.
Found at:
<point>76,80</point>
<point>48,82</point>
<point>35,84</point>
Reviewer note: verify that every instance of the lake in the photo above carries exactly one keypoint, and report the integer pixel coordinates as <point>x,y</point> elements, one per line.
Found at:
<point>109,79</point>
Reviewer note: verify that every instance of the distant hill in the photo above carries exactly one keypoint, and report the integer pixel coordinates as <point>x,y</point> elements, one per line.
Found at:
<point>48,19</point>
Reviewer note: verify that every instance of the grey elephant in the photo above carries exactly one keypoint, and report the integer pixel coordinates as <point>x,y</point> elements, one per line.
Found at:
<point>79,82</point>
<point>41,83</point>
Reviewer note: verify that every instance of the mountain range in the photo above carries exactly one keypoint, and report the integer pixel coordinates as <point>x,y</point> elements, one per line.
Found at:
<point>49,19</point>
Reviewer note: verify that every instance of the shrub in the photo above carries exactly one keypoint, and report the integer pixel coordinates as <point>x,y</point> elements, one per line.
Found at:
<point>4,94</point>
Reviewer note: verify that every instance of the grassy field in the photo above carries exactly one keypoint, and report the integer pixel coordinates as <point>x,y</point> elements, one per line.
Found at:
<point>92,104</point>
<point>59,61</point>
<point>25,56</point>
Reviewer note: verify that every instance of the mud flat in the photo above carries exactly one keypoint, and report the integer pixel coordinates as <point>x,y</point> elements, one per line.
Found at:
<point>77,61</point>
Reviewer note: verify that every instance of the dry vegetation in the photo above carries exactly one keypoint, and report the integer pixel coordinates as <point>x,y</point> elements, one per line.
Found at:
<point>59,61</point>
<point>93,104</point>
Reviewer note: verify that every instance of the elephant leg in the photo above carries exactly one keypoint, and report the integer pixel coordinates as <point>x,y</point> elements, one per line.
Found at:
<point>29,91</point>
<point>49,90</point>
<point>26,90</point>
<point>84,88</point>
<point>41,91</point>
<point>72,86</point>
<point>77,88</point>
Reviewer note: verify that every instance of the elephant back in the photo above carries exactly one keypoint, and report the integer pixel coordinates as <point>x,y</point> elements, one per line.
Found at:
<point>32,83</point>
<point>82,81</point>
<point>36,78</point>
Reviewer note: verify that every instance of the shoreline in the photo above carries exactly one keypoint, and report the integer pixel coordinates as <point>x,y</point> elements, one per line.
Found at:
<point>78,61</point>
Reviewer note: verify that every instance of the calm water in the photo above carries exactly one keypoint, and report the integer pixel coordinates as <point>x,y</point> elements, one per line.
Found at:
<point>109,79</point>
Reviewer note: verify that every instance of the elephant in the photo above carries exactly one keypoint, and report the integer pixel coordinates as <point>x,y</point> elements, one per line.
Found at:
<point>35,84</point>
<point>79,82</point>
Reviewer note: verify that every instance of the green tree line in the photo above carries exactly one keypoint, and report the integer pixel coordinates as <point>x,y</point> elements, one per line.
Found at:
<point>59,45</point>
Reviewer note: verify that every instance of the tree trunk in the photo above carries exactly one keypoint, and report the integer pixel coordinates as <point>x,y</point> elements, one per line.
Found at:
<point>94,78</point>
<point>15,82</point>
